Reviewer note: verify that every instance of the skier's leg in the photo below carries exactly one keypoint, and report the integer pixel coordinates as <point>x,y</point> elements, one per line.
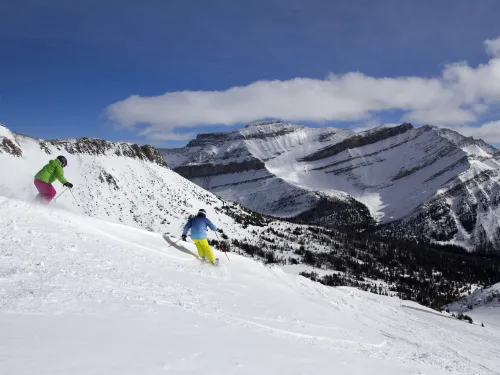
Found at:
<point>51,193</point>
<point>39,196</point>
<point>46,191</point>
<point>200,248</point>
<point>208,251</point>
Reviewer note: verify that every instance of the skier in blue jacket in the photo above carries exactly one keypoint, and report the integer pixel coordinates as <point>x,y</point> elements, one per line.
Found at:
<point>198,226</point>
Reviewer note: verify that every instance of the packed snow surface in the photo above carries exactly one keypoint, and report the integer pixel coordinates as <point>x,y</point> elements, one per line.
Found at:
<point>80,295</point>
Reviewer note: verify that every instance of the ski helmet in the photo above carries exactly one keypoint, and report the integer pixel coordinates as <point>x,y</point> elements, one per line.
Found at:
<point>63,160</point>
<point>202,212</point>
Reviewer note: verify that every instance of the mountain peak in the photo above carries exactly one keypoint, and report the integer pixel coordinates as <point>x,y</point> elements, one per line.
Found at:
<point>264,123</point>
<point>269,127</point>
<point>4,131</point>
<point>213,139</point>
<point>470,145</point>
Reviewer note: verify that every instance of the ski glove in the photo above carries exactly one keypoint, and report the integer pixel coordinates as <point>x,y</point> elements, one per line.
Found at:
<point>69,185</point>
<point>183,237</point>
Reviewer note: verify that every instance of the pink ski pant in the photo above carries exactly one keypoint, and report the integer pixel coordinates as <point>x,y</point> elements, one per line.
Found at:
<point>46,192</point>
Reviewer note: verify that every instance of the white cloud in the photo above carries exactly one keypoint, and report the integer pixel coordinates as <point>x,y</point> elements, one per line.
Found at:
<point>480,108</point>
<point>456,97</point>
<point>493,46</point>
<point>156,135</point>
<point>489,132</point>
<point>348,97</point>
<point>440,116</point>
<point>471,85</point>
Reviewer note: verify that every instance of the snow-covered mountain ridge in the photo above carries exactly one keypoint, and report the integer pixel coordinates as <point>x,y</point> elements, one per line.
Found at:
<point>85,146</point>
<point>444,184</point>
<point>236,166</point>
<point>80,295</point>
<point>121,182</point>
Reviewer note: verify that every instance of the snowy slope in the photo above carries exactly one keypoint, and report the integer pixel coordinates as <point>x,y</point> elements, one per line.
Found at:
<point>396,172</point>
<point>116,181</point>
<point>80,295</point>
<point>123,183</point>
<point>128,184</point>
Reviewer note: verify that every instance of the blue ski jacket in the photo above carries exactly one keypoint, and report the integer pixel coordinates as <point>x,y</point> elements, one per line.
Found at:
<point>198,226</point>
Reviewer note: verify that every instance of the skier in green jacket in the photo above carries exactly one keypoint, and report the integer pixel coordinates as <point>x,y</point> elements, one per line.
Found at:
<point>47,175</point>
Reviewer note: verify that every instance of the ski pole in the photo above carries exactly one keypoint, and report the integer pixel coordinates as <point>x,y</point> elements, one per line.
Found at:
<point>222,247</point>
<point>61,193</point>
<point>74,197</point>
<point>175,242</point>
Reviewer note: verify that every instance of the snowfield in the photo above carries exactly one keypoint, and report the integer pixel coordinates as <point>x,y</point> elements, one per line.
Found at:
<point>80,295</point>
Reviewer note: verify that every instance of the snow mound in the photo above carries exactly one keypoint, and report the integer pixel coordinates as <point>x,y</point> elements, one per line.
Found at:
<point>80,295</point>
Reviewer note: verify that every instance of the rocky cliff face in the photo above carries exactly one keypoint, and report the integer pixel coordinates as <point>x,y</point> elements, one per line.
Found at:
<point>467,213</point>
<point>210,170</point>
<point>357,141</point>
<point>441,184</point>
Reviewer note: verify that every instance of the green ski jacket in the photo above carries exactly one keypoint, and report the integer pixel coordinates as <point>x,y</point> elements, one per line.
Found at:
<point>51,172</point>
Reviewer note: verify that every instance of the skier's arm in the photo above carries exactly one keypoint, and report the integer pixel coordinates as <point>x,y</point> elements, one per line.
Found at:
<point>59,172</point>
<point>187,227</point>
<point>211,225</point>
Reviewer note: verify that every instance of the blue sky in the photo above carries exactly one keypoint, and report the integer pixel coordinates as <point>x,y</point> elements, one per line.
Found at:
<point>63,63</point>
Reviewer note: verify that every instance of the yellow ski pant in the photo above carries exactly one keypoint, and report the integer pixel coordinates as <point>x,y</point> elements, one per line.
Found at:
<point>204,250</point>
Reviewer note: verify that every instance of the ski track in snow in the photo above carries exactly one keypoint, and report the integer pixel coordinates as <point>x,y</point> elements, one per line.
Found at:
<point>80,295</point>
